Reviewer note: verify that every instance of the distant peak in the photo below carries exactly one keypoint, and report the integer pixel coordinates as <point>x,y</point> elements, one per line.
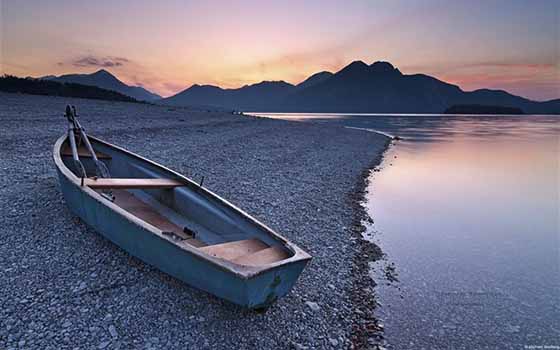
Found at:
<point>357,64</point>
<point>321,74</point>
<point>315,79</point>
<point>268,84</point>
<point>382,65</point>
<point>271,82</point>
<point>103,72</point>
<point>203,87</point>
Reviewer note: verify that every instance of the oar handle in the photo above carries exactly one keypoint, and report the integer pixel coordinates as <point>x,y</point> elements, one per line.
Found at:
<point>72,118</point>
<point>74,148</point>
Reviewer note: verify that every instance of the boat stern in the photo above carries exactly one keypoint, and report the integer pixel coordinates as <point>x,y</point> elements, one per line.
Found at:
<point>264,289</point>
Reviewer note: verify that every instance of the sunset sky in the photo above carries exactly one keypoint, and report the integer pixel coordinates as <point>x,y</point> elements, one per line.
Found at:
<point>167,46</point>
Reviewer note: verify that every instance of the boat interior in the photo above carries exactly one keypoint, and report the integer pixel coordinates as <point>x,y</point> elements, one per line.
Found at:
<point>186,215</point>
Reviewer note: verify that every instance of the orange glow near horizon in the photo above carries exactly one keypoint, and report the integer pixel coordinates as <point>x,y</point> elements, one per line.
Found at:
<point>168,47</point>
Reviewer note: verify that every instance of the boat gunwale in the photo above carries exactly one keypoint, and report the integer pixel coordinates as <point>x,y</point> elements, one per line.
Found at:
<point>242,271</point>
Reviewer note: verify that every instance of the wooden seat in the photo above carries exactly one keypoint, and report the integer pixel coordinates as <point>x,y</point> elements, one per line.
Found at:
<point>82,152</point>
<point>236,249</point>
<point>113,183</point>
<point>141,210</point>
<point>262,257</point>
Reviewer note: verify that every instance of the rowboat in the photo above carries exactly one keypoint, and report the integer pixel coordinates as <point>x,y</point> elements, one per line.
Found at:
<point>173,223</point>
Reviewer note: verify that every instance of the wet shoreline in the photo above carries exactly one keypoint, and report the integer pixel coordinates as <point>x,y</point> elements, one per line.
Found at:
<point>367,330</point>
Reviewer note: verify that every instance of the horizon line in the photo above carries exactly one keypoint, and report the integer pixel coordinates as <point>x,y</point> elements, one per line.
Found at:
<point>256,82</point>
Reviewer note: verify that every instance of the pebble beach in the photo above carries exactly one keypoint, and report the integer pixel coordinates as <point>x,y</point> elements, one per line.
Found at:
<point>63,286</point>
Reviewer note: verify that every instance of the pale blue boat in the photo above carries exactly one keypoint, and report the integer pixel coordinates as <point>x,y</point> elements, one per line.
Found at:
<point>178,226</point>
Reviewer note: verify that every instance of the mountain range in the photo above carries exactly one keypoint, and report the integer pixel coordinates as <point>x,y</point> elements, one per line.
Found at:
<point>356,88</point>
<point>106,80</point>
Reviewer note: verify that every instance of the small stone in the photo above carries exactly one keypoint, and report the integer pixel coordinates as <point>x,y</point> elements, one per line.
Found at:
<point>104,345</point>
<point>66,324</point>
<point>333,342</point>
<point>113,331</point>
<point>21,343</point>
<point>313,305</point>
<point>300,347</point>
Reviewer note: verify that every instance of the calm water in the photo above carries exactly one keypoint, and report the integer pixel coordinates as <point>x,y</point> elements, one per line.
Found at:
<point>466,210</point>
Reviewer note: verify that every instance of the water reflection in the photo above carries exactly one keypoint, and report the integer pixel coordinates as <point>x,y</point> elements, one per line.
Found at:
<point>470,220</point>
<point>467,211</point>
<point>437,127</point>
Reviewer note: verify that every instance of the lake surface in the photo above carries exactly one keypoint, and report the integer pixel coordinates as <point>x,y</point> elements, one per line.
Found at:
<point>466,210</point>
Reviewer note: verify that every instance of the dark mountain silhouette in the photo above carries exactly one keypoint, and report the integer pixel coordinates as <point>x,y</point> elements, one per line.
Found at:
<point>375,88</point>
<point>249,97</point>
<point>106,80</point>
<point>314,80</point>
<point>52,88</point>
<point>356,88</point>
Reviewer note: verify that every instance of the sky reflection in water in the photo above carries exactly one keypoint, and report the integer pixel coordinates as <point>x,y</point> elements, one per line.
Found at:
<point>466,209</point>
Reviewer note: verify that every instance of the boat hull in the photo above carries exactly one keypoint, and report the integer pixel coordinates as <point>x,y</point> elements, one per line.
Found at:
<point>252,290</point>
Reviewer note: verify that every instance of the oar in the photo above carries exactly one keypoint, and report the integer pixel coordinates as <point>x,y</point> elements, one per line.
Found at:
<point>100,167</point>
<point>75,156</point>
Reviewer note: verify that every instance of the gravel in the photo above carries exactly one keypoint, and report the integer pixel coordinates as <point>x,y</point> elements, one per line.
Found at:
<point>63,286</point>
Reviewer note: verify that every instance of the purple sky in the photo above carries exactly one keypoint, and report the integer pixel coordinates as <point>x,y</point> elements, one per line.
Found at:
<point>168,45</point>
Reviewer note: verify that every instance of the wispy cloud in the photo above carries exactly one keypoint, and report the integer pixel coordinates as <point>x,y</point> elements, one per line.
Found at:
<point>99,61</point>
